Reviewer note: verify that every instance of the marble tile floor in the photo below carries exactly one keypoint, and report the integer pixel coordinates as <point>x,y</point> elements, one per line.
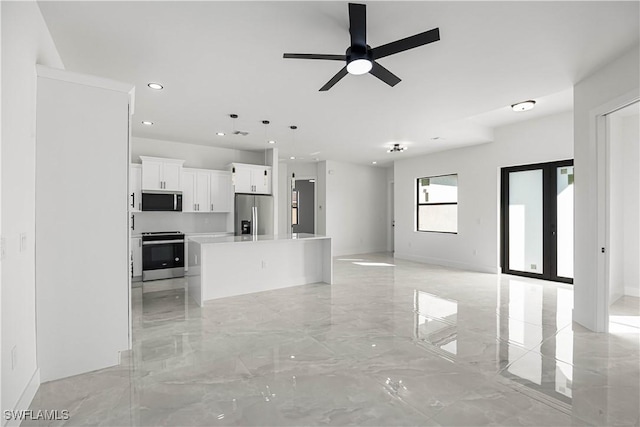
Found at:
<point>397,344</point>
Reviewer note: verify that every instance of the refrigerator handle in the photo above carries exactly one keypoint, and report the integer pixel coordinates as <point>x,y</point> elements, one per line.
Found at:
<point>254,220</point>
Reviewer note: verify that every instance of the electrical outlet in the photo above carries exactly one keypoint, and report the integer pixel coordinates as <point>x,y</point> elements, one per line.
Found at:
<point>23,242</point>
<point>264,264</point>
<point>14,357</point>
<point>534,267</point>
<point>475,252</point>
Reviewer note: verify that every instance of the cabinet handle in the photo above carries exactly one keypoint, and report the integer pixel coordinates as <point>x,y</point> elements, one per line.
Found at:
<point>133,200</point>
<point>133,222</point>
<point>212,207</point>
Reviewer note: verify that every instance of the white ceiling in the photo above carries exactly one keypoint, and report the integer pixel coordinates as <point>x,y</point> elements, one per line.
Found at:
<point>216,58</point>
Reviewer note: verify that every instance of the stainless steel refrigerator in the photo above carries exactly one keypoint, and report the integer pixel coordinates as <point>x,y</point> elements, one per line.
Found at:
<point>253,214</point>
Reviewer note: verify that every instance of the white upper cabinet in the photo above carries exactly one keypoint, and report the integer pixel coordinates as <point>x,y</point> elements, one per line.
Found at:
<point>161,174</point>
<point>254,179</point>
<point>188,190</point>
<point>135,187</point>
<point>202,191</point>
<point>221,192</point>
<point>196,189</point>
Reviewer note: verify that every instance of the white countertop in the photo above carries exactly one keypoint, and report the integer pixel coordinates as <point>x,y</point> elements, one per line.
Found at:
<point>189,235</point>
<point>260,238</point>
<point>211,233</point>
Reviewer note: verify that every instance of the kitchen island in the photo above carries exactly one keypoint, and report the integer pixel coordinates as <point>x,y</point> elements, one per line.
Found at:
<point>236,265</point>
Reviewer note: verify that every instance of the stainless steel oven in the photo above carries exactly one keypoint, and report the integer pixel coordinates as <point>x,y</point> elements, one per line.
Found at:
<point>162,255</point>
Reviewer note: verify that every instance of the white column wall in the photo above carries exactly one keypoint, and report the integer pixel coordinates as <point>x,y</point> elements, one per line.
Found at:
<point>82,159</point>
<point>25,42</point>
<point>476,246</point>
<point>356,207</point>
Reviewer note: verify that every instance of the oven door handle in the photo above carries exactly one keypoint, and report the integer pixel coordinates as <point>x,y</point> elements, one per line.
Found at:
<point>162,242</point>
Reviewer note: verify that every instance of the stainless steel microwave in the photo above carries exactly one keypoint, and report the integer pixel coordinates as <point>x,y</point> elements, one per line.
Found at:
<point>162,202</point>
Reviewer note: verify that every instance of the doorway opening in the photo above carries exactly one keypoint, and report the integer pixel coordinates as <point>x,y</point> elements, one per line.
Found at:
<point>303,206</point>
<point>537,221</point>
<point>622,270</point>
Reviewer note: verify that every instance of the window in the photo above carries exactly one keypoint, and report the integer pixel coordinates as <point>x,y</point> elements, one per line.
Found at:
<point>437,199</point>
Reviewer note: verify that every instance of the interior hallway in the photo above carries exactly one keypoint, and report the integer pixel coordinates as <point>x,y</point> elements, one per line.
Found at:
<point>392,342</point>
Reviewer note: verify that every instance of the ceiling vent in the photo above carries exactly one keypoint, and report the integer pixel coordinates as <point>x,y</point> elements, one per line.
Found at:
<point>396,149</point>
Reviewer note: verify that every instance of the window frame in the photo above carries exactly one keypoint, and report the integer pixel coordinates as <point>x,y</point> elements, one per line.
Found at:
<point>418,204</point>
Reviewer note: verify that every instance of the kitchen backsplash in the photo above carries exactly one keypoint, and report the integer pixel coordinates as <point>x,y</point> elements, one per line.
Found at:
<point>175,221</point>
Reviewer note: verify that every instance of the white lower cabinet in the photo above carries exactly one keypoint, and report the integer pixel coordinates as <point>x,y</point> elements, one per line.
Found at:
<point>136,256</point>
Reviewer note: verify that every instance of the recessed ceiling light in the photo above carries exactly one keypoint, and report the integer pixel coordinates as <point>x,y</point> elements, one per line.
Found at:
<point>220,133</point>
<point>524,105</point>
<point>155,86</point>
<point>146,122</point>
<point>271,142</point>
<point>292,158</point>
<point>374,163</point>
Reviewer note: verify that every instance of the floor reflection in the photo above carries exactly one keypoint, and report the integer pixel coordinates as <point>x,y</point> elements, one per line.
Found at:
<point>410,344</point>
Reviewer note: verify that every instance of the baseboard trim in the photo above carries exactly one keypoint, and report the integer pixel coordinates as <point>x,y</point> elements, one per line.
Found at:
<point>447,263</point>
<point>26,398</point>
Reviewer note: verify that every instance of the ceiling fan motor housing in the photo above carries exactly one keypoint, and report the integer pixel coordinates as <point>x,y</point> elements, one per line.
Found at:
<point>358,52</point>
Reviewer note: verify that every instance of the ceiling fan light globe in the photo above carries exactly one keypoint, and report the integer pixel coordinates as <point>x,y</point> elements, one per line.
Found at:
<point>359,66</point>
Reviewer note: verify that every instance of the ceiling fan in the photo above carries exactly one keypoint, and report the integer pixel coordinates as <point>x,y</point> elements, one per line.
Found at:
<point>360,58</point>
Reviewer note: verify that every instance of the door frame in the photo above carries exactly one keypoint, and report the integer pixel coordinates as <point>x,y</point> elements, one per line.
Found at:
<point>599,121</point>
<point>549,220</point>
<point>315,202</point>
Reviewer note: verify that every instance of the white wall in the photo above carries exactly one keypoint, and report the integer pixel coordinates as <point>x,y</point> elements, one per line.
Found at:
<point>25,42</point>
<point>616,211</point>
<point>476,246</point>
<point>354,200</point>
<point>195,156</point>
<point>631,217</point>
<point>624,203</point>
<point>179,221</point>
<point>612,86</point>
<point>390,211</point>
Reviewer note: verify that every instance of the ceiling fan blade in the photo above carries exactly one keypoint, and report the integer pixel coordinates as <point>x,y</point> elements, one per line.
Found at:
<point>385,75</point>
<point>358,24</point>
<point>406,43</point>
<point>314,56</point>
<point>335,79</point>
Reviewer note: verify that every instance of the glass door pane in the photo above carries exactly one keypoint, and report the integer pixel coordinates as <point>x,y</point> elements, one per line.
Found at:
<point>564,223</point>
<point>526,221</point>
